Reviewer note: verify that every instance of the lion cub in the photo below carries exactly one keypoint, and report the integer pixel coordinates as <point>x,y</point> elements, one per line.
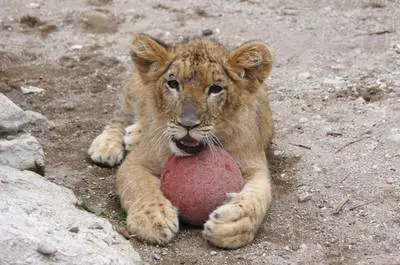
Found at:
<point>182,100</point>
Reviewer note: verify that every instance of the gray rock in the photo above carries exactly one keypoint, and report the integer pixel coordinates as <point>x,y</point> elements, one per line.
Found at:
<point>23,152</point>
<point>34,221</point>
<point>12,117</point>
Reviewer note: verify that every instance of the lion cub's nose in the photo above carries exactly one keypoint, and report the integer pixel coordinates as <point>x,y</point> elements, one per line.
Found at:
<point>188,118</point>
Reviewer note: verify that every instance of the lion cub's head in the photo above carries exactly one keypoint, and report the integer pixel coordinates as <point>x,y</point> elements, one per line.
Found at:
<point>198,85</point>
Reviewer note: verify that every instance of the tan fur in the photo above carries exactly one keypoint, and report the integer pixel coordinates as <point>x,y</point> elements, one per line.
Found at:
<point>239,117</point>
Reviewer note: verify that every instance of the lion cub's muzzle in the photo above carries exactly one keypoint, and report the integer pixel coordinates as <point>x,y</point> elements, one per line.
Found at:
<point>189,121</point>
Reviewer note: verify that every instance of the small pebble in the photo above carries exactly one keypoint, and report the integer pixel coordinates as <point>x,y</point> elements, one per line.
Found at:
<point>31,90</point>
<point>304,75</point>
<point>336,83</point>
<point>34,5</point>
<point>74,229</point>
<point>46,249</point>
<point>317,169</point>
<point>99,22</point>
<point>76,47</point>
<point>396,47</point>
<point>395,135</point>
<point>156,256</point>
<point>303,120</point>
<point>304,196</point>
<point>99,2</point>
<point>360,100</point>
<point>389,180</point>
<point>97,226</point>
<point>207,32</point>
<point>213,253</point>
<point>278,152</point>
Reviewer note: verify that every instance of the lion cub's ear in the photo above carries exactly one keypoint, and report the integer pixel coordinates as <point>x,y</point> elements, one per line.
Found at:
<point>252,61</point>
<point>148,54</point>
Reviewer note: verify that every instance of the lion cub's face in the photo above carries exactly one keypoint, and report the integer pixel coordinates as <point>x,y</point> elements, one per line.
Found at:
<point>198,85</point>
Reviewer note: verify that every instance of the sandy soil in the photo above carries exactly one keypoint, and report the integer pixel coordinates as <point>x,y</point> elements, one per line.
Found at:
<point>335,94</point>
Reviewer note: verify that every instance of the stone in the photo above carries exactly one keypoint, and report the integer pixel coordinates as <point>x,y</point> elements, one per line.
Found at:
<point>46,249</point>
<point>76,47</point>
<point>304,75</point>
<point>156,256</point>
<point>316,168</point>
<point>336,83</point>
<point>23,152</point>
<point>31,90</point>
<point>304,194</point>
<point>99,2</point>
<point>99,22</point>
<point>46,29</point>
<point>35,117</point>
<point>74,229</point>
<point>34,5</point>
<point>207,32</point>
<point>396,47</point>
<point>12,117</point>
<point>390,180</point>
<point>41,234</point>
<point>395,135</point>
<point>303,120</point>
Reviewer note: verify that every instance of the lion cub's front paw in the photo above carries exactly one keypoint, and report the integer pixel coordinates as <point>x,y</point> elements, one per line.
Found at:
<point>132,136</point>
<point>106,149</point>
<point>155,222</point>
<point>233,224</point>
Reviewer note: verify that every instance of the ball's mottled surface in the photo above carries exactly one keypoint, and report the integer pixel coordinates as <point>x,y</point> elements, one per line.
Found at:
<point>198,184</point>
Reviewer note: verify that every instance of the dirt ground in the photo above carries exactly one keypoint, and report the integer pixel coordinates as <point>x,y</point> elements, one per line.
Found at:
<point>335,94</point>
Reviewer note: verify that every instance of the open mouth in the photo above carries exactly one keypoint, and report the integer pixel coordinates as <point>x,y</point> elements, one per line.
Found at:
<point>189,145</point>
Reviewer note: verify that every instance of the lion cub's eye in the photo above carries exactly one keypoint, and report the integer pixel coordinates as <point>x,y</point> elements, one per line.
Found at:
<point>215,89</point>
<point>173,84</point>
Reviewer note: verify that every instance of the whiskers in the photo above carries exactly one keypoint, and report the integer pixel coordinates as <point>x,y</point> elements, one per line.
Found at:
<point>212,141</point>
<point>215,139</point>
<point>161,136</point>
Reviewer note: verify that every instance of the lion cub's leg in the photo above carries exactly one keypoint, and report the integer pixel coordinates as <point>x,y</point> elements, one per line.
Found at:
<point>109,147</point>
<point>151,217</point>
<point>235,223</point>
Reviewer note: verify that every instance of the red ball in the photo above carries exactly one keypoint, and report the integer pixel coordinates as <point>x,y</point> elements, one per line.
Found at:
<point>198,184</point>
